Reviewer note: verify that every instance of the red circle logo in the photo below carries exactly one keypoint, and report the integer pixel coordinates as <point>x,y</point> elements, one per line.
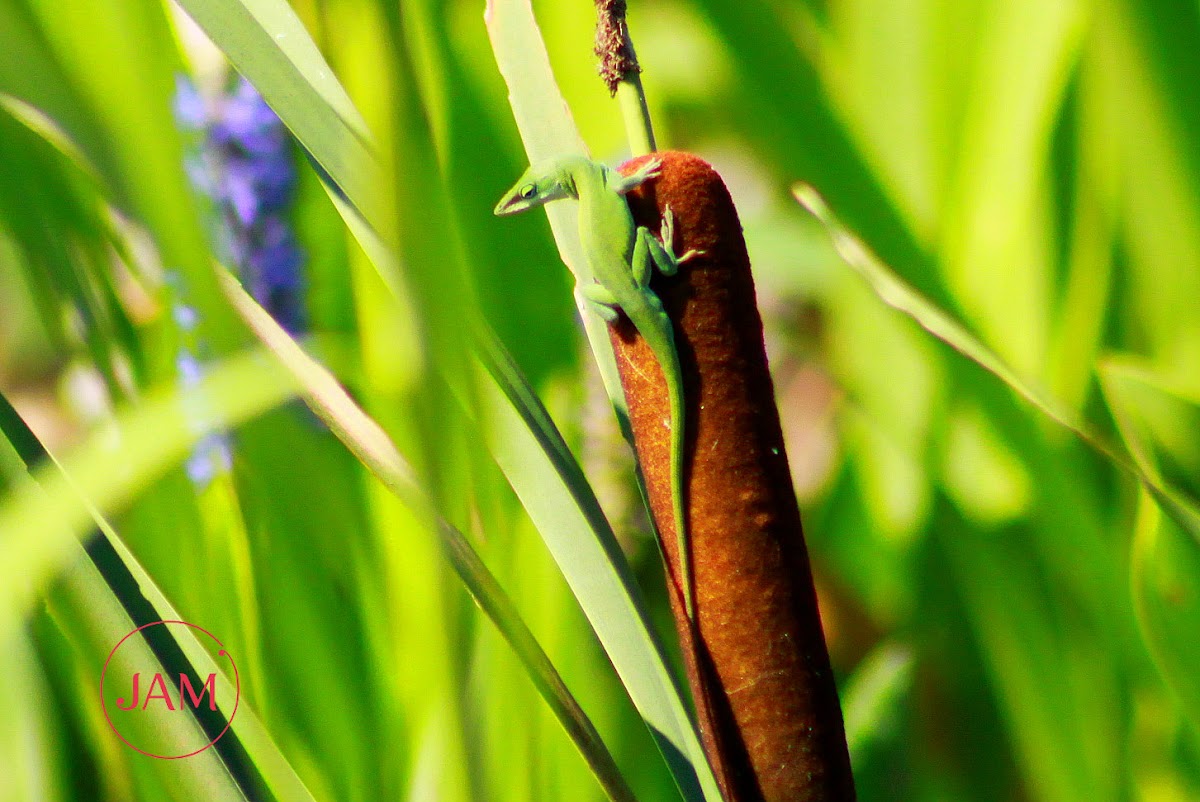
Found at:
<point>149,710</point>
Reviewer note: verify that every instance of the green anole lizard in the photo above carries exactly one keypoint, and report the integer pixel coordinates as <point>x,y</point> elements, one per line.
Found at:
<point>621,256</point>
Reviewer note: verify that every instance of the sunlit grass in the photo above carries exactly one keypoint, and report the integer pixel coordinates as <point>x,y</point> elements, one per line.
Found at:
<point>1002,506</point>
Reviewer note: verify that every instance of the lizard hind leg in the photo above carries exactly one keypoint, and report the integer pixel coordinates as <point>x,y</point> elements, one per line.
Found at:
<point>643,257</point>
<point>668,243</point>
<point>659,252</point>
<point>603,301</point>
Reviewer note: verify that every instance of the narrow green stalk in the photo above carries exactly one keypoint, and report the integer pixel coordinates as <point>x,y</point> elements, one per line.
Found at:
<point>632,98</point>
<point>621,74</point>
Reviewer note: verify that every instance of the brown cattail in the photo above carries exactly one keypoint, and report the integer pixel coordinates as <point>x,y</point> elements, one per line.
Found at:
<point>756,660</point>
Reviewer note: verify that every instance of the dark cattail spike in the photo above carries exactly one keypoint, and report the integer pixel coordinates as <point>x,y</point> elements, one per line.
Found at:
<point>756,659</point>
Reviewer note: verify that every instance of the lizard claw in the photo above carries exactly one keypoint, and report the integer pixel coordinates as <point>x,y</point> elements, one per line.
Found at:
<point>667,231</point>
<point>644,173</point>
<point>668,238</point>
<point>650,169</point>
<point>624,184</point>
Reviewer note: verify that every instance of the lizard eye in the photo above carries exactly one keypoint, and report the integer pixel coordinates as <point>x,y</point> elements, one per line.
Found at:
<point>528,191</point>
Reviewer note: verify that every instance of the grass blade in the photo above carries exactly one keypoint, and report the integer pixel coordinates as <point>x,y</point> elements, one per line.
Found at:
<point>558,498</point>
<point>286,82</point>
<point>266,41</point>
<point>1165,576</point>
<point>106,593</point>
<point>1158,422</point>
<point>547,131</point>
<point>367,441</point>
<point>534,458</point>
<point>42,521</point>
<point>942,325</point>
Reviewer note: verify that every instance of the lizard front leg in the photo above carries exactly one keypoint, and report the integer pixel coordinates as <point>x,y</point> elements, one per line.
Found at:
<point>622,184</point>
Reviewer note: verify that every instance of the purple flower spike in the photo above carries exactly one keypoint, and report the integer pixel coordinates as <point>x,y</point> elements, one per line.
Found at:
<point>200,468</point>
<point>274,179</point>
<point>189,369</point>
<point>289,315</point>
<point>190,109</point>
<point>279,265</point>
<point>241,192</point>
<point>199,174</point>
<point>249,160</point>
<point>186,317</point>
<point>249,123</point>
<point>211,456</point>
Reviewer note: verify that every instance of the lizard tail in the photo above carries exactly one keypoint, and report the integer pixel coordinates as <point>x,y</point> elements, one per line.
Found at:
<point>679,488</point>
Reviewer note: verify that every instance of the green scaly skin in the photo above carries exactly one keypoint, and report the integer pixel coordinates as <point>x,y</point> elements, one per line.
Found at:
<point>622,256</point>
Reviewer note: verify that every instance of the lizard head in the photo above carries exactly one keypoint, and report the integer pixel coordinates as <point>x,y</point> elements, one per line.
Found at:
<point>540,184</point>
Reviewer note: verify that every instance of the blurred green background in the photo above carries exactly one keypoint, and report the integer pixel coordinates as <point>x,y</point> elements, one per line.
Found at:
<point>1013,614</point>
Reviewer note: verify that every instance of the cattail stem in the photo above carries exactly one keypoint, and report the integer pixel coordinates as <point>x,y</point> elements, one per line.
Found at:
<point>621,73</point>
<point>756,657</point>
